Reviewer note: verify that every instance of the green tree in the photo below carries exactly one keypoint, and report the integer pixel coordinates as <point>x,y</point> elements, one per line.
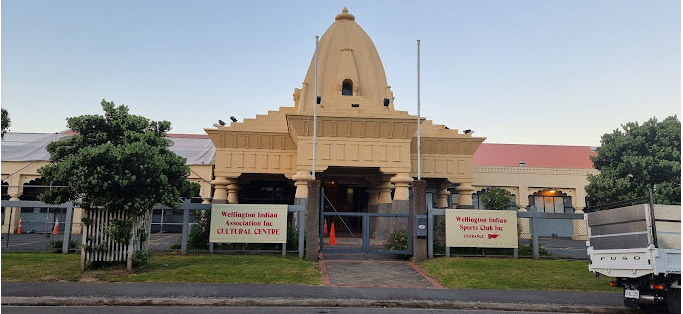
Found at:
<point>5,122</point>
<point>116,161</point>
<point>496,199</point>
<point>636,157</point>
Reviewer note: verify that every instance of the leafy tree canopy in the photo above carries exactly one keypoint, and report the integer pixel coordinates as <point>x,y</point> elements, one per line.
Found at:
<point>5,121</point>
<point>496,199</point>
<point>636,157</point>
<point>117,161</point>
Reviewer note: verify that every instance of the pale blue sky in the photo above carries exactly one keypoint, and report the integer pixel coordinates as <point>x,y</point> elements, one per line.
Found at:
<point>545,72</point>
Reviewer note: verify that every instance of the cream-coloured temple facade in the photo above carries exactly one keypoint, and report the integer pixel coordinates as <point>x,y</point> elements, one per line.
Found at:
<point>363,144</point>
<point>359,133</point>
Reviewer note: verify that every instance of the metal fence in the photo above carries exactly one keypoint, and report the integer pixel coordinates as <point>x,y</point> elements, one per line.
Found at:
<point>540,235</point>
<point>33,226</point>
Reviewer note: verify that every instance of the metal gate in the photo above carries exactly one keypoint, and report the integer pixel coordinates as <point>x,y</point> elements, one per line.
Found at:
<point>365,232</point>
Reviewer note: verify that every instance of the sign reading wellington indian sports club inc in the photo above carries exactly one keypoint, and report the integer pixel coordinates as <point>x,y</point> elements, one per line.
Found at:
<point>481,228</point>
<point>248,223</point>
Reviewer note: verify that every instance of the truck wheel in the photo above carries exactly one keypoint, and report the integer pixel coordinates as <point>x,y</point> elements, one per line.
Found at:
<point>673,300</point>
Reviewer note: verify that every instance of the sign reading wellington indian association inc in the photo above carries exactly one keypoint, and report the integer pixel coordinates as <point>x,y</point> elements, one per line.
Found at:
<point>481,228</point>
<point>248,223</point>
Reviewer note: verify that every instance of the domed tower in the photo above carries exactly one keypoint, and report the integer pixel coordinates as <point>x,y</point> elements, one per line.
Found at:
<point>350,72</point>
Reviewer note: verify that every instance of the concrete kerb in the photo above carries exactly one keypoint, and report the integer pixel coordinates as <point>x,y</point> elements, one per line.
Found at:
<point>431,304</point>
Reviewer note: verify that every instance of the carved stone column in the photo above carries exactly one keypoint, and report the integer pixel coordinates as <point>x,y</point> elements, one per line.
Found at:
<point>523,227</point>
<point>465,190</point>
<point>233,191</point>
<point>384,199</point>
<point>580,231</point>
<point>12,216</point>
<point>220,193</point>
<point>402,182</point>
<point>523,223</point>
<point>442,194</point>
<point>373,200</point>
<point>301,179</point>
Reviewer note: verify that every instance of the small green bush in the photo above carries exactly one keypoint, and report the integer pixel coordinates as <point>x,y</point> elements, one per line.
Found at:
<point>526,250</point>
<point>141,258</point>
<point>56,245</point>
<point>175,246</point>
<point>198,238</point>
<point>398,241</point>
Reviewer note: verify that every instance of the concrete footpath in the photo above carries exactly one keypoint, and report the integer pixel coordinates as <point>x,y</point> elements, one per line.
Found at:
<point>180,294</point>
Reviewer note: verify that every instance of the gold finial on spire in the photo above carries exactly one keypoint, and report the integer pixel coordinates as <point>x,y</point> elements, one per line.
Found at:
<point>345,15</point>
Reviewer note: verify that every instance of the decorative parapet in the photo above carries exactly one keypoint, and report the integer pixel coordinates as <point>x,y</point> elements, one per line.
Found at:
<point>534,170</point>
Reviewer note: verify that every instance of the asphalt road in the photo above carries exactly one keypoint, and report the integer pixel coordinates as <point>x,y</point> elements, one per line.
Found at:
<point>231,310</point>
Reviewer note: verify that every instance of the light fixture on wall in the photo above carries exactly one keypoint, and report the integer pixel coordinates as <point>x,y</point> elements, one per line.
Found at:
<point>355,105</point>
<point>233,119</point>
<point>468,131</point>
<point>386,102</point>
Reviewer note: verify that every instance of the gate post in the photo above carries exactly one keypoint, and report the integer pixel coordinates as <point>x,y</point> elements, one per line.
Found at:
<point>67,227</point>
<point>313,220</point>
<point>534,233</point>
<point>185,229</point>
<point>419,208</point>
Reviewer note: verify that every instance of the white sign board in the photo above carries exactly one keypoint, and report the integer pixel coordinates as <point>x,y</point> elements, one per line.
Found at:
<point>481,228</point>
<point>248,223</point>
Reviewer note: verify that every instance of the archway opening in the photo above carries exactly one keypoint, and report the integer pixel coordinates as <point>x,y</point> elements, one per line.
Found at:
<point>347,88</point>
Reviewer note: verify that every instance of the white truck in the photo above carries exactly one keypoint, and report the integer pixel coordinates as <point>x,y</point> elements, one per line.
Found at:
<point>640,246</point>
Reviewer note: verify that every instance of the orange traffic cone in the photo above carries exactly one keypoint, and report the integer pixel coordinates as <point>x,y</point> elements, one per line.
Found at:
<point>55,230</point>
<point>19,228</point>
<point>325,226</point>
<point>333,238</point>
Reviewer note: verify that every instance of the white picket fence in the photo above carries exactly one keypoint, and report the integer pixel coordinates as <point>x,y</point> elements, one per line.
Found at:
<point>95,236</point>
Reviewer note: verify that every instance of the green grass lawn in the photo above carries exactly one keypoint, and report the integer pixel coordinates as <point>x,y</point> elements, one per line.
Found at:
<point>506,273</point>
<point>40,267</point>
<point>163,267</point>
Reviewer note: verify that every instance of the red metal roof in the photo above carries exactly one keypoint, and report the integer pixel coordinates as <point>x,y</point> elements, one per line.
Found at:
<point>539,156</point>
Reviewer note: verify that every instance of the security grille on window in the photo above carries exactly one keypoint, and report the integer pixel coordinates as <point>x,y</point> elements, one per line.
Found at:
<point>551,201</point>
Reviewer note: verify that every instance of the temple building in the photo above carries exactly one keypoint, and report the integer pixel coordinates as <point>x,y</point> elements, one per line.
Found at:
<point>364,146</point>
<point>366,149</point>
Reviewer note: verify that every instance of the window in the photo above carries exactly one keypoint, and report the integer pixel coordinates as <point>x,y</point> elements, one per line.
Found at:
<point>347,88</point>
<point>551,201</point>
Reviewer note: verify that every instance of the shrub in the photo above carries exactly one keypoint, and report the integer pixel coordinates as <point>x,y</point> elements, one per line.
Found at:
<point>199,234</point>
<point>56,245</point>
<point>398,241</point>
<point>526,250</point>
<point>175,246</point>
<point>496,199</point>
<point>141,258</point>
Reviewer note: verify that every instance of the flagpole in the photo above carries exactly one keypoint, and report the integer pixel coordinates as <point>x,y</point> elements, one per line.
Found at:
<point>315,104</point>
<point>419,150</point>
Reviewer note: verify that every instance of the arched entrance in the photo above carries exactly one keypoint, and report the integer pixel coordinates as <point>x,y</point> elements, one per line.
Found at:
<point>553,201</point>
<point>353,220</point>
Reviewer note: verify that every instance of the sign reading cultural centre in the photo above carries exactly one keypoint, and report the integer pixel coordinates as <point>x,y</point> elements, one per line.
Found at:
<point>248,223</point>
<point>481,228</point>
